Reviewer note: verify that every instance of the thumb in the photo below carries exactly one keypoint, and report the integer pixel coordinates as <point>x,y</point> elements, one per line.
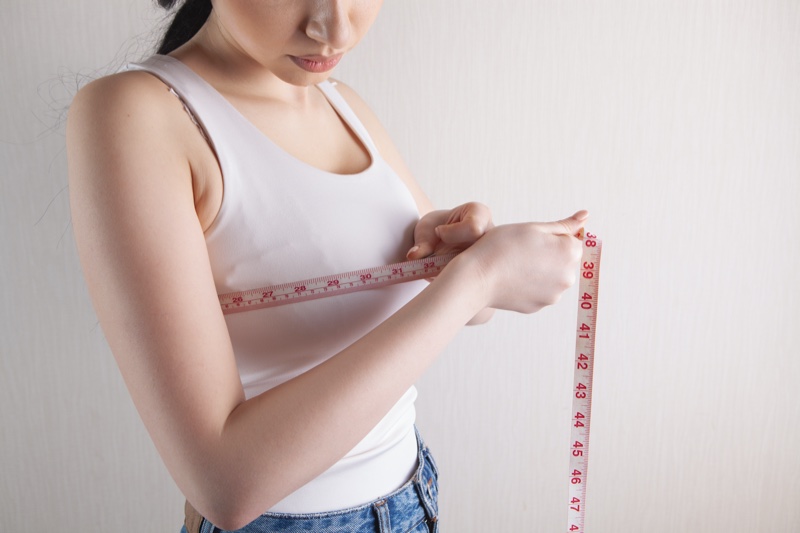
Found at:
<point>570,225</point>
<point>425,238</point>
<point>420,250</point>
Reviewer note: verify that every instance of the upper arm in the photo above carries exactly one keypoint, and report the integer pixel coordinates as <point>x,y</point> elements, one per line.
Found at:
<point>385,145</point>
<point>146,265</point>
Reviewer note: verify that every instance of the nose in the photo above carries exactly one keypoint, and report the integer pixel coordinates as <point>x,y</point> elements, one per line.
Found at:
<point>329,23</point>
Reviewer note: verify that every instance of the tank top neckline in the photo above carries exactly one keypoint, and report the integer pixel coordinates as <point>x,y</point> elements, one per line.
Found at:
<point>324,87</point>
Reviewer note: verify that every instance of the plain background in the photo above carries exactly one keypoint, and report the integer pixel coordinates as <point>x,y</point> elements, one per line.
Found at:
<point>675,122</point>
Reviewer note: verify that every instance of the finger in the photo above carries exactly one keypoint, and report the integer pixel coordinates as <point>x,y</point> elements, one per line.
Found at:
<point>425,239</point>
<point>570,225</point>
<point>420,250</point>
<point>470,229</point>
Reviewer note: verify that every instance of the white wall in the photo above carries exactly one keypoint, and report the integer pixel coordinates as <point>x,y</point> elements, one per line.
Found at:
<point>675,122</point>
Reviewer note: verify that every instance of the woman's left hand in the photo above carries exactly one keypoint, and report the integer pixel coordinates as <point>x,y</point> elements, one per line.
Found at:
<point>444,232</point>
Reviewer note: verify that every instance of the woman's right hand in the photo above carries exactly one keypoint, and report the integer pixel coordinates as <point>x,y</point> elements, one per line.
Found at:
<point>525,267</point>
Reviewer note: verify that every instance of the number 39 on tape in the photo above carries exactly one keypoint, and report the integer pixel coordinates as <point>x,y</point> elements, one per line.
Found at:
<point>583,381</point>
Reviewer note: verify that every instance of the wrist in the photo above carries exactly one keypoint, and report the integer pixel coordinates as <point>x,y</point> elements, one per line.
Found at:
<point>468,274</point>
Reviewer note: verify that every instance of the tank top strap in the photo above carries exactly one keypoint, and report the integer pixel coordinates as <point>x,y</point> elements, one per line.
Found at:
<point>346,112</point>
<point>199,99</point>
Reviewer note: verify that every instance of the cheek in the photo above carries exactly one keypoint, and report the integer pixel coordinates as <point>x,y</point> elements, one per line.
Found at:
<point>257,22</point>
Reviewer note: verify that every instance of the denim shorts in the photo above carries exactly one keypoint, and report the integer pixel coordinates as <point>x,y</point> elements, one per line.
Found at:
<point>413,508</point>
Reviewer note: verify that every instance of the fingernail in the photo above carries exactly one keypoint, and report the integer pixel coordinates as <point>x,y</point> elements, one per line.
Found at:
<point>412,250</point>
<point>582,214</point>
<point>436,231</point>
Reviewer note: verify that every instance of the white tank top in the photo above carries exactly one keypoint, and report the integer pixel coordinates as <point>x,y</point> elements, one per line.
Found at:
<point>283,220</point>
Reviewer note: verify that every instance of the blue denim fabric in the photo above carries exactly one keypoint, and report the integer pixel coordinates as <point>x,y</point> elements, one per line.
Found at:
<point>413,508</point>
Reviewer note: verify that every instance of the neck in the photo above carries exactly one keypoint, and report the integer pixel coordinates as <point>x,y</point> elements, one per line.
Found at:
<point>218,57</point>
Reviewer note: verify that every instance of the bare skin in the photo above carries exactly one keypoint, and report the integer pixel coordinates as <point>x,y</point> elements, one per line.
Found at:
<point>144,185</point>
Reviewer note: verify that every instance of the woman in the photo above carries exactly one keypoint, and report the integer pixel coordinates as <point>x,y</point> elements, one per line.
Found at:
<point>231,161</point>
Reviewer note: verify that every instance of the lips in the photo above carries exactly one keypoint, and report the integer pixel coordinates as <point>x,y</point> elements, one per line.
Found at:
<point>316,63</point>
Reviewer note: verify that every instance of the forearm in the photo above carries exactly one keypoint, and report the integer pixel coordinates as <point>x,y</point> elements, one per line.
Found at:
<point>274,443</point>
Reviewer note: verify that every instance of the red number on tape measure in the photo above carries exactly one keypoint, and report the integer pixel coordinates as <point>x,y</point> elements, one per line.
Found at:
<point>582,392</point>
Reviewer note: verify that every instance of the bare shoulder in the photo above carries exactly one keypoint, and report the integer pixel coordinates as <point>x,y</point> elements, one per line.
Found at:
<point>384,143</point>
<point>123,116</point>
<point>128,127</point>
<point>134,95</point>
<point>123,123</point>
<point>132,120</point>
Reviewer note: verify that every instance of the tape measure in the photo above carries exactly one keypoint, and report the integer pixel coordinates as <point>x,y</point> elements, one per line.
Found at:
<point>582,382</point>
<point>429,267</point>
<point>311,289</point>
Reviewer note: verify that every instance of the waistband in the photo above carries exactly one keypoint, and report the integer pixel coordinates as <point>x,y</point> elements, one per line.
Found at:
<point>416,501</point>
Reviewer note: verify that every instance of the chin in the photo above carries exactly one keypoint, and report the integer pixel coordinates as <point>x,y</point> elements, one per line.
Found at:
<point>305,79</point>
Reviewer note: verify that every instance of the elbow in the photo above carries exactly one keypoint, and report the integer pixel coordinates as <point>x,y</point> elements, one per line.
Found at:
<point>231,502</point>
<point>230,488</point>
<point>231,522</point>
<point>232,515</point>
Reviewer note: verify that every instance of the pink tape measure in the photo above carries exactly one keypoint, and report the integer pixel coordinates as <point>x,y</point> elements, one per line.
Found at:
<point>582,382</point>
<point>311,289</point>
<point>429,267</point>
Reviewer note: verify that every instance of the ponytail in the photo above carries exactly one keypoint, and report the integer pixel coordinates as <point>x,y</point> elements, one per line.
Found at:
<point>187,22</point>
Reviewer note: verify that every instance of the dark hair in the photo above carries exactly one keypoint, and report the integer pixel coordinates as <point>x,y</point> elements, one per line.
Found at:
<point>187,21</point>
